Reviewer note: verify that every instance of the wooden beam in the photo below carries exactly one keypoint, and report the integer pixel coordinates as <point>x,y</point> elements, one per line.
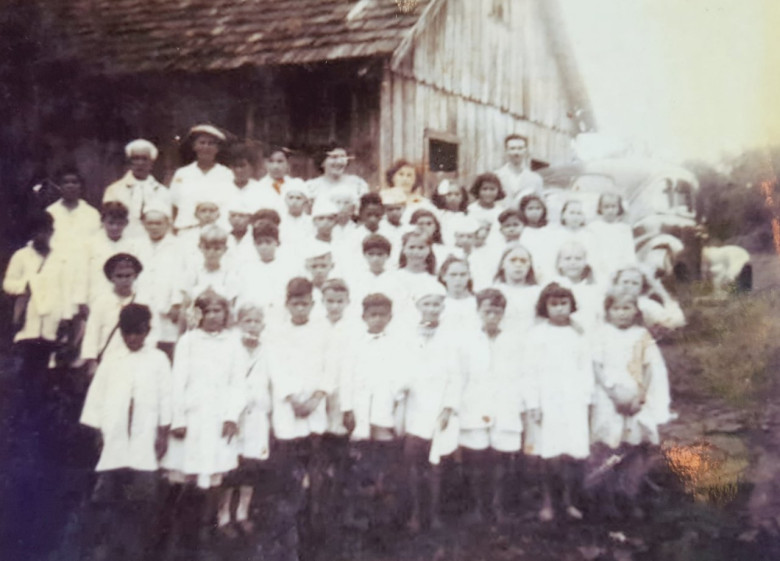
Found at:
<point>428,14</point>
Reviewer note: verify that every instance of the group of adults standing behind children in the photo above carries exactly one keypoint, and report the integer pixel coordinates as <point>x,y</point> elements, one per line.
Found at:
<point>309,319</point>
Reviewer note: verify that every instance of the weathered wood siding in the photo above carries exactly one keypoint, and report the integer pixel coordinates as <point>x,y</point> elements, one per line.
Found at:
<point>479,70</point>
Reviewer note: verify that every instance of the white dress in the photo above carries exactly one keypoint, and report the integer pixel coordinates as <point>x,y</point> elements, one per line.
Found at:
<point>208,390</point>
<point>520,313</point>
<point>460,314</point>
<point>542,243</point>
<point>615,242</point>
<point>623,354</point>
<point>557,360</point>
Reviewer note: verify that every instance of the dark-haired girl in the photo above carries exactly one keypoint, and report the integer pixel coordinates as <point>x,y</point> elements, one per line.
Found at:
<point>559,366</point>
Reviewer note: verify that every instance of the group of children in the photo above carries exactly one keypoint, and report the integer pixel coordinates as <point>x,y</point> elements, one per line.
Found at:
<point>320,324</point>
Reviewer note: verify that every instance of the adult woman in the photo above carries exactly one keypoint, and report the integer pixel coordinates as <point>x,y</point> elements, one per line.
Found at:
<point>203,179</point>
<point>335,182</point>
<point>402,177</point>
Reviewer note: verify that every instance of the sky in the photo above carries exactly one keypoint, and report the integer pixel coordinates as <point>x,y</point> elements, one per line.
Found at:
<point>681,78</point>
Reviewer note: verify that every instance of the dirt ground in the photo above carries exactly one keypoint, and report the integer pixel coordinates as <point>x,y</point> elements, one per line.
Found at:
<point>714,494</point>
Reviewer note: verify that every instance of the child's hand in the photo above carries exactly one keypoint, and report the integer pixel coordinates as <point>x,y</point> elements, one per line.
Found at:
<point>444,418</point>
<point>179,432</point>
<point>229,430</point>
<point>161,442</point>
<point>91,367</point>
<point>308,406</point>
<point>349,421</point>
<point>173,313</point>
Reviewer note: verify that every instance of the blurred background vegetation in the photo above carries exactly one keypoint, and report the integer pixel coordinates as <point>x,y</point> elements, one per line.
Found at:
<point>733,197</point>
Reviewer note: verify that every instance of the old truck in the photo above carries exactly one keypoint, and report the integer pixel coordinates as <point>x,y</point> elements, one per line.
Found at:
<point>659,200</point>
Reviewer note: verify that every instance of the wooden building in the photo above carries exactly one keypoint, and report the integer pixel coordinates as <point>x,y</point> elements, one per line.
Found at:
<point>437,82</point>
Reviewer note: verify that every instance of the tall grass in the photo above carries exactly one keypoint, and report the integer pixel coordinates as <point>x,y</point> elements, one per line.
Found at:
<point>729,349</point>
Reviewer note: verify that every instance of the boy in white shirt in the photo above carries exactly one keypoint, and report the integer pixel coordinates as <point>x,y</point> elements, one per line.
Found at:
<point>296,225</point>
<point>263,278</point>
<point>277,181</point>
<point>373,277</point>
<point>160,254</point>
<point>75,220</point>
<point>34,279</point>
<point>339,330</point>
<point>371,388</point>
<point>299,386</point>
<point>240,242</point>
<point>433,394</point>
<point>492,402</point>
<point>109,241</point>
<point>212,272</point>
<point>129,402</point>
<point>247,193</point>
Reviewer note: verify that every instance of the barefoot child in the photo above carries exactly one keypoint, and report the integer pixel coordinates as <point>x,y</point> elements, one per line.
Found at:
<point>557,360</point>
<point>208,398</point>
<point>253,426</point>
<point>299,386</point>
<point>129,403</point>
<point>433,394</point>
<point>372,385</point>
<point>491,406</point>
<point>631,398</point>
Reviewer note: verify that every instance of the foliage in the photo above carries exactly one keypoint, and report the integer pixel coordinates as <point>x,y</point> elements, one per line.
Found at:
<point>733,197</point>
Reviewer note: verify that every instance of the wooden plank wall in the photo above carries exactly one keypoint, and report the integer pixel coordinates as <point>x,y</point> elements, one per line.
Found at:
<point>481,128</point>
<point>482,69</point>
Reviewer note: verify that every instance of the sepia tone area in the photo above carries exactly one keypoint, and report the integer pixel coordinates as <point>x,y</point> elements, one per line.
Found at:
<point>354,297</point>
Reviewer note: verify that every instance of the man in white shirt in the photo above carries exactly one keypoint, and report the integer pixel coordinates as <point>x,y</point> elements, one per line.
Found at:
<point>138,188</point>
<point>516,177</point>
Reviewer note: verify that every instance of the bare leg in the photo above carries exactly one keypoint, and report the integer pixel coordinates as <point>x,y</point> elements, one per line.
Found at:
<point>434,482</point>
<point>223,509</point>
<point>546,514</point>
<point>567,480</point>
<point>244,500</point>
<point>475,476</point>
<point>414,493</point>
<point>497,487</point>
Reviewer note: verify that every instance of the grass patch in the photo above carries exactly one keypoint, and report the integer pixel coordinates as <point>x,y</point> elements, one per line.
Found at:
<point>729,349</point>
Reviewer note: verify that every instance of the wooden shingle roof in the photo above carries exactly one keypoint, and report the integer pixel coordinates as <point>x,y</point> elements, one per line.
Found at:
<point>129,36</point>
